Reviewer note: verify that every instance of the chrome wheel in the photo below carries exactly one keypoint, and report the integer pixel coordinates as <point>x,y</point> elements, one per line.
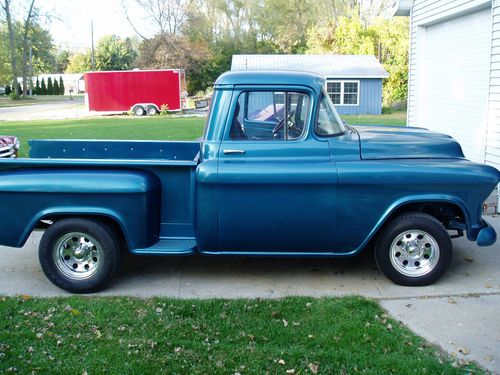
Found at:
<point>414,253</point>
<point>77,255</point>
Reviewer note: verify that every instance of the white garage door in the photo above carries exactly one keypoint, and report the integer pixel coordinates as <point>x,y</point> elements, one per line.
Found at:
<point>453,97</point>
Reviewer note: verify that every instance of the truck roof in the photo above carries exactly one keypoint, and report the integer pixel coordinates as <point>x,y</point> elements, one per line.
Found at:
<point>271,77</point>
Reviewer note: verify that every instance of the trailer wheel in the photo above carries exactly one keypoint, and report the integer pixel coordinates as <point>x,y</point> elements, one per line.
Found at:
<point>80,255</point>
<point>151,110</point>
<point>138,110</point>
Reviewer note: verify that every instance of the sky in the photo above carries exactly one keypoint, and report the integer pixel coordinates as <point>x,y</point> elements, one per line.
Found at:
<point>70,21</point>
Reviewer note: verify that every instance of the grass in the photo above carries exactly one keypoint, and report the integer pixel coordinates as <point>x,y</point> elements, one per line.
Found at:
<point>396,117</point>
<point>143,128</point>
<point>6,101</point>
<point>131,336</point>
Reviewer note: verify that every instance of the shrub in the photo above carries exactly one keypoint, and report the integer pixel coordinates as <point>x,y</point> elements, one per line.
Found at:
<point>164,109</point>
<point>50,86</point>
<point>55,88</point>
<point>14,96</point>
<point>8,90</point>
<point>61,86</point>
<point>43,88</point>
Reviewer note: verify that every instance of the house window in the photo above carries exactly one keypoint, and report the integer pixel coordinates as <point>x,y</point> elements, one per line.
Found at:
<point>343,92</point>
<point>334,91</point>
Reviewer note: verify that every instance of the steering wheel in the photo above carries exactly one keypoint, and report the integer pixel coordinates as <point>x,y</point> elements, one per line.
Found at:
<point>281,123</point>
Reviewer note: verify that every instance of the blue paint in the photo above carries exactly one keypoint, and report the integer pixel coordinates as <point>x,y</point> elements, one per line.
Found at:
<point>313,196</point>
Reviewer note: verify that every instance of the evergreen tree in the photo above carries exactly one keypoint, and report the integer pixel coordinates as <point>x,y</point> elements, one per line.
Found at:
<point>37,87</point>
<point>50,86</point>
<point>19,89</point>
<point>61,86</point>
<point>43,88</point>
<point>55,89</point>
<point>8,90</point>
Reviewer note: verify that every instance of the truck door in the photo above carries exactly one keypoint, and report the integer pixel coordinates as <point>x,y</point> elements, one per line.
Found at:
<point>277,184</point>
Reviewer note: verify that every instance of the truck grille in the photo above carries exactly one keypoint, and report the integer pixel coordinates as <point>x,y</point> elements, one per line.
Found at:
<point>8,151</point>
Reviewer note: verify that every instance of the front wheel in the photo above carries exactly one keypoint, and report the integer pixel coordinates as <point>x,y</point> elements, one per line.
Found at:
<point>79,255</point>
<point>413,250</point>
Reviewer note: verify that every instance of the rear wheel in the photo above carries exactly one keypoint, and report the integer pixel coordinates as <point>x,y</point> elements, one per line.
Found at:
<point>151,110</point>
<point>80,255</point>
<point>413,250</point>
<point>138,110</point>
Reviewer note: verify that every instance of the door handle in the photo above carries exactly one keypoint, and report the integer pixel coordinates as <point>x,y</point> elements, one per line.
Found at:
<point>227,152</point>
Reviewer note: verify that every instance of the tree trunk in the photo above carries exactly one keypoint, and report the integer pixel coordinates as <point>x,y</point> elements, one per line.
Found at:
<point>26,46</point>
<point>12,45</point>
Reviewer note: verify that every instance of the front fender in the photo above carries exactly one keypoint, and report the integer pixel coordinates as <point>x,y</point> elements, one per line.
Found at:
<point>130,197</point>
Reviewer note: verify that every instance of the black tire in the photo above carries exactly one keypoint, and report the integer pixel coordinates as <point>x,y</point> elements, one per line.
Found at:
<point>98,262</point>
<point>138,110</point>
<point>151,110</point>
<point>423,266</point>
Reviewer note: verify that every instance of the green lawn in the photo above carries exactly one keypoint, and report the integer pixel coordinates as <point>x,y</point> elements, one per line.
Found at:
<point>6,101</point>
<point>396,117</point>
<point>130,336</point>
<point>143,128</point>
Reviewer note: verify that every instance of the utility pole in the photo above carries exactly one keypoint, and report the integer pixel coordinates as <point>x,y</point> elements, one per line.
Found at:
<point>92,36</point>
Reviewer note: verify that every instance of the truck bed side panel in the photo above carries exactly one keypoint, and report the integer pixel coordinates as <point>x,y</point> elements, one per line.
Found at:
<point>131,198</point>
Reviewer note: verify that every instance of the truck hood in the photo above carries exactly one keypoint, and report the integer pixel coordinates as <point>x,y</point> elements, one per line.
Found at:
<point>395,142</point>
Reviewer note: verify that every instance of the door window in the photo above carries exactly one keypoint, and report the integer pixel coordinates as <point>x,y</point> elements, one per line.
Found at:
<point>269,116</point>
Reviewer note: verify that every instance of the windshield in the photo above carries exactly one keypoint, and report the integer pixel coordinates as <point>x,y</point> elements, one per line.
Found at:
<point>329,122</point>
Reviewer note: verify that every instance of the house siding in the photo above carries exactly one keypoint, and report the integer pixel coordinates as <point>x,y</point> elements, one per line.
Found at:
<point>492,150</point>
<point>428,12</point>
<point>370,98</point>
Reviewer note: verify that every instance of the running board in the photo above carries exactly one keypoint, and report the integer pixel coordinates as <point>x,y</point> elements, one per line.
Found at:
<point>169,247</point>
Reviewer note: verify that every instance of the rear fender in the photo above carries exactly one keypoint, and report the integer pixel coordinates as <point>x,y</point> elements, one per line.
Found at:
<point>129,197</point>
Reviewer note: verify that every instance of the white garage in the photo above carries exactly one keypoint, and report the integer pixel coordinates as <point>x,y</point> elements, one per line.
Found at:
<point>454,77</point>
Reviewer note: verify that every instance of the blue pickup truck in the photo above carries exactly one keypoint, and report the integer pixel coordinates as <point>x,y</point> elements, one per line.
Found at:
<point>277,173</point>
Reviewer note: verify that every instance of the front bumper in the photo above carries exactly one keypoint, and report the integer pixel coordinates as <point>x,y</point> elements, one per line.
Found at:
<point>486,236</point>
<point>8,151</point>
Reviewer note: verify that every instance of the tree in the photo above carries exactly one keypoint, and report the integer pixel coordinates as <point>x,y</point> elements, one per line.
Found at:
<point>114,53</point>
<point>50,86</point>
<point>61,86</point>
<point>26,46</point>
<point>8,90</point>
<point>55,87</point>
<point>12,46</point>
<point>79,63</point>
<point>61,61</point>
<point>43,88</point>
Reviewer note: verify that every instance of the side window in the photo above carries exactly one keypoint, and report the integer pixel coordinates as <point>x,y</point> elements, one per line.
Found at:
<point>328,123</point>
<point>269,116</point>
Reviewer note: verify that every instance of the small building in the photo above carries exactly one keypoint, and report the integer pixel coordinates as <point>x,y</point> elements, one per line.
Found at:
<point>354,82</point>
<point>454,72</point>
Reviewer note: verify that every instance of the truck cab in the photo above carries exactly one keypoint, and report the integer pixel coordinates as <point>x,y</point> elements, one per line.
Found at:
<point>277,173</point>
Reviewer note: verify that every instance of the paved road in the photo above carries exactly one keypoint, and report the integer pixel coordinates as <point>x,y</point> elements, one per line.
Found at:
<point>47,111</point>
<point>460,312</point>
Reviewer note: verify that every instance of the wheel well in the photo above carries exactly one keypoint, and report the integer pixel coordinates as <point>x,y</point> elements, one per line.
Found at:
<point>448,214</point>
<point>47,221</point>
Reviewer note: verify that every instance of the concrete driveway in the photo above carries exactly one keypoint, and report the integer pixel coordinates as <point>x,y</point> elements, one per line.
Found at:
<point>461,312</point>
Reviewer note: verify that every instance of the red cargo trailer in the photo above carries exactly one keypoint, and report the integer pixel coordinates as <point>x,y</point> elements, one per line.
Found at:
<point>139,91</point>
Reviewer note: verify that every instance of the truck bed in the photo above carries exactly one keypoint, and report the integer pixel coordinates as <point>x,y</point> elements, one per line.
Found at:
<point>173,164</point>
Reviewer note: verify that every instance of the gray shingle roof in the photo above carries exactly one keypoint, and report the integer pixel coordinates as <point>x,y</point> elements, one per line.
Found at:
<point>330,66</point>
